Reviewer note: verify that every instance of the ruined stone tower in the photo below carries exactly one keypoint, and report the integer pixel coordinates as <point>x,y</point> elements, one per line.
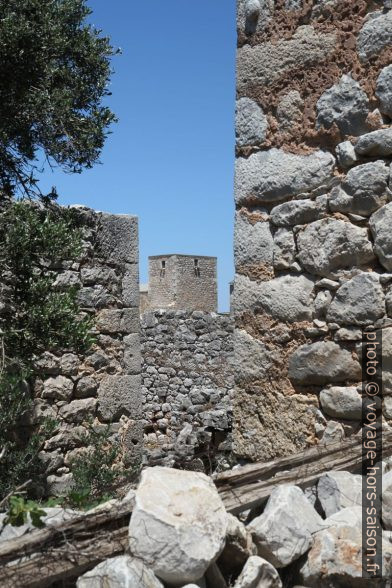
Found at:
<point>313,239</point>
<point>181,282</point>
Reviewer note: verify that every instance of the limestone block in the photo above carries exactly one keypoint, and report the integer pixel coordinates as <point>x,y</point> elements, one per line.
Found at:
<point>346,154</point>
<point>339,489</point>
<point>59,388</point>
<point>53,516</point>
<point>118,396</point>
<point>123,571</point>
<point>287,298</point>
<point>284,249</point>
<point>263,64</point>
<point>254,15</point>
<point>59,485</point>
<point>67,279</point>
<point>284,531</point>
<point>322,302</point>
<point>384,90</point>
<point>375,34</point>
<point>85,387</point>
<point>118,238</point>
<point>329,245</point>
<point>258,573</point>
<point>94,297</point>
<point>359,301</point>
<point>78,410</point>
<point>274,175</point>
<point>380,223</point>
<point>387,407</point>
<point>299,212</point>
<point>375,144</point>
<point>253,242</point>
<point>252,359</point>
<point>290,110</point>
<point>251,123</point>
<point>130,285</point>
<point>351,516</point>
<point>342,402</point>
<point>112,321</point>
<point>364,190</point>
<point>178,526</point>
<point>336,559</point>
<point>386,499</point>
<point>98,275</point>
<point>132,354</point>
<point>346,105</point>
<point>323,362</point>
<point>69,364</point>
<point>238,548</point>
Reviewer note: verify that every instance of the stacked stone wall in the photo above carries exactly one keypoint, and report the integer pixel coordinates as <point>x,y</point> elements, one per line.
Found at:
<point>313,246</point>
<point>187,385</point>
<point>101,387</point>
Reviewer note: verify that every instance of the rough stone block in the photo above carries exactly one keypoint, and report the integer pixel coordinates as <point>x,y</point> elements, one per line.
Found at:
<point>329,245</point>
<point>380,225</point>
<point>359,301</point>
<point>299,212</point>
<point>375,34</point>
<point>112,321</point>
<point>274,175</point>
<point>251,123</point>
<point>118,238</point>
<point>132,354</point>
<point>118,396</point>
<point>342,403</point>
<point>375,144</point>
<point>130,286</point>
<point>346,105</point>
<point>253,242</point>
<point>384,90</point>
<point>321,363</point>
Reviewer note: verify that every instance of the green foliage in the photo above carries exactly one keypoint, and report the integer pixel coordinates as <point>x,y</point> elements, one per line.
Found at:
<point>54,75</point>
<point>33,240</point>
<point>95,472</point>
<point>18,512</point>
<point>35,317</point>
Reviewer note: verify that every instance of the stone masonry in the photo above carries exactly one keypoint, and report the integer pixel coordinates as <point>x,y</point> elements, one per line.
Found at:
<point>104,385</point>
<point>181,282</point>
<point>187,386</point>
<point>313,244</point>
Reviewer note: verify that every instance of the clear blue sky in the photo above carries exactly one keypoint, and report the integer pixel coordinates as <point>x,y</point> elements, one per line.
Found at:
<point>170,158</point>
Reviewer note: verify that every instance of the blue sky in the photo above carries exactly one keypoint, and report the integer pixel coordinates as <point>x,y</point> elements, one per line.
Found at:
<point>170,159</point>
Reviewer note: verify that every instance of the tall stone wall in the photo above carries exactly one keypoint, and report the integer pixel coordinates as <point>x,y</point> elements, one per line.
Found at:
<point>313,244</point>
<point>187,385</point>
<point>102,386</point>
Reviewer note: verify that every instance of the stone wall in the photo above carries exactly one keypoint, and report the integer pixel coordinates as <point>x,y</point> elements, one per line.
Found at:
<point>187,386</point>
<point>104,385</point>
<point>313,245</point>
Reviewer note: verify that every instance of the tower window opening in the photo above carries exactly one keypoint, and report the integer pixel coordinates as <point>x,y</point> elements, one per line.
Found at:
<point>163,268</point>
<point>196,267</point>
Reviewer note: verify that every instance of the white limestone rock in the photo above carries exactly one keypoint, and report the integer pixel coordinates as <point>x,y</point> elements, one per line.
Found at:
<point>335,559</point>
<point>375,34</point>
<point>375,144</point>
<point>251,123</point>
<point>364,190</point>
<point>53,516</point>
<point>299,212</point>
<point>384,90</point>
<point>258,573</point>
<point>290,110</point>
<point>345,154</point>
<point>359,301</point>
<point>346,105</point>
<point>351,516</point>
<point>253,242</point>
<point>284,531</point>
<point>342,402</point>
<point>273,175</point>
<point>380,223</point>
<point>284,249</point>
<point>178,526</point>
<point>252,358</point>
<point>123,571</point>
<point>321,363</point>
<point>329,245</point>
<point>339,489</point>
